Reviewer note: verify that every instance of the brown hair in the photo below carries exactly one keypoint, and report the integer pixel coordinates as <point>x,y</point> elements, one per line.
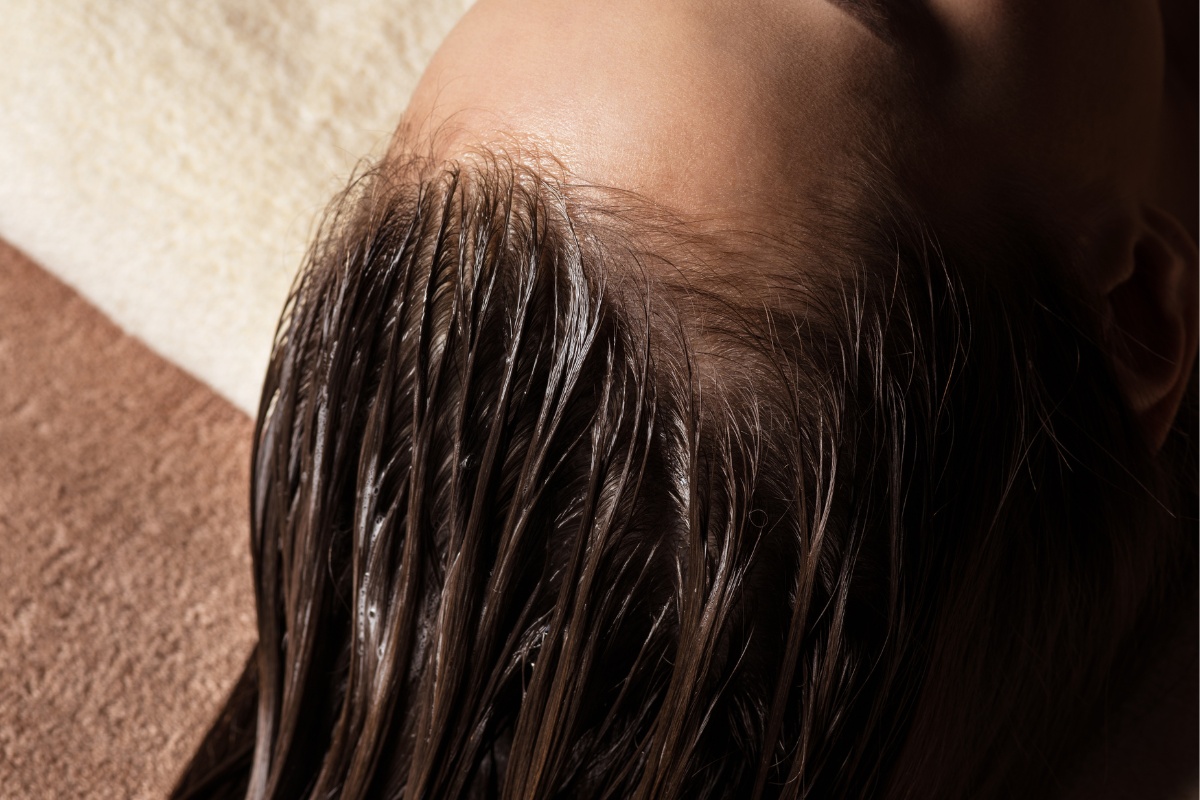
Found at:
<point>534,518</point>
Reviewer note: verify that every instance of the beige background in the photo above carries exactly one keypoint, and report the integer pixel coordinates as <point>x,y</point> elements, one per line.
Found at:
<point>167,158</point>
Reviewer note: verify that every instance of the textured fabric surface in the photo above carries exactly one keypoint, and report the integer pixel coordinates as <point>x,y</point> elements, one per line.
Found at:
<point>126,609</point>
<point>167,158</point>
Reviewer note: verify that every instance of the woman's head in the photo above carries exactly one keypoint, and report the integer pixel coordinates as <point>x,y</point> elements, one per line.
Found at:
<point>761,116</point>
<point>591,467</point>
<point>533,518</point>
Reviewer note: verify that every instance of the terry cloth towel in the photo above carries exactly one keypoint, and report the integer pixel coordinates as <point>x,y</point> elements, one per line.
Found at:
<point>167,158</point>
<point>126,608</point>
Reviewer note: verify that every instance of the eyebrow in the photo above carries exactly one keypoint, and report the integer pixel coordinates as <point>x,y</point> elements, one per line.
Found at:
<point>909,26</point>
<point>867,12</point>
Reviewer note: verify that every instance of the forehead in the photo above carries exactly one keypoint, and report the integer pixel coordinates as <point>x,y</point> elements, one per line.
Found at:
<point>714,110</point>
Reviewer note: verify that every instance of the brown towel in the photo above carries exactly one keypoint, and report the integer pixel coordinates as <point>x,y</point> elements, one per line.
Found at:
<point>125,598</point>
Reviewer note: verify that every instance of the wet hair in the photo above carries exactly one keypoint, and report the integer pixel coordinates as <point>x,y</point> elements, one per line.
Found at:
<point>536,514</point>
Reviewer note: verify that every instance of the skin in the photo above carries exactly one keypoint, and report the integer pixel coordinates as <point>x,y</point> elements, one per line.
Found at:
<point>755,112</point>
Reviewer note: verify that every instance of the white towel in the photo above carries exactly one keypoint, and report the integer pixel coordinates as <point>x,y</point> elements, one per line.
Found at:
<point>168,158</point>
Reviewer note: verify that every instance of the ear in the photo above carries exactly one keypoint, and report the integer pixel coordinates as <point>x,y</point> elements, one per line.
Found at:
<point>1152,314</point>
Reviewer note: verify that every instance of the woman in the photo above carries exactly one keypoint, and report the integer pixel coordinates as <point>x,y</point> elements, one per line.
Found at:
<point>734,400</point>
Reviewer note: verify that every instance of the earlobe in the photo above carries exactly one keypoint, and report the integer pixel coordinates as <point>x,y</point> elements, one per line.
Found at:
<point>1152,335</point>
